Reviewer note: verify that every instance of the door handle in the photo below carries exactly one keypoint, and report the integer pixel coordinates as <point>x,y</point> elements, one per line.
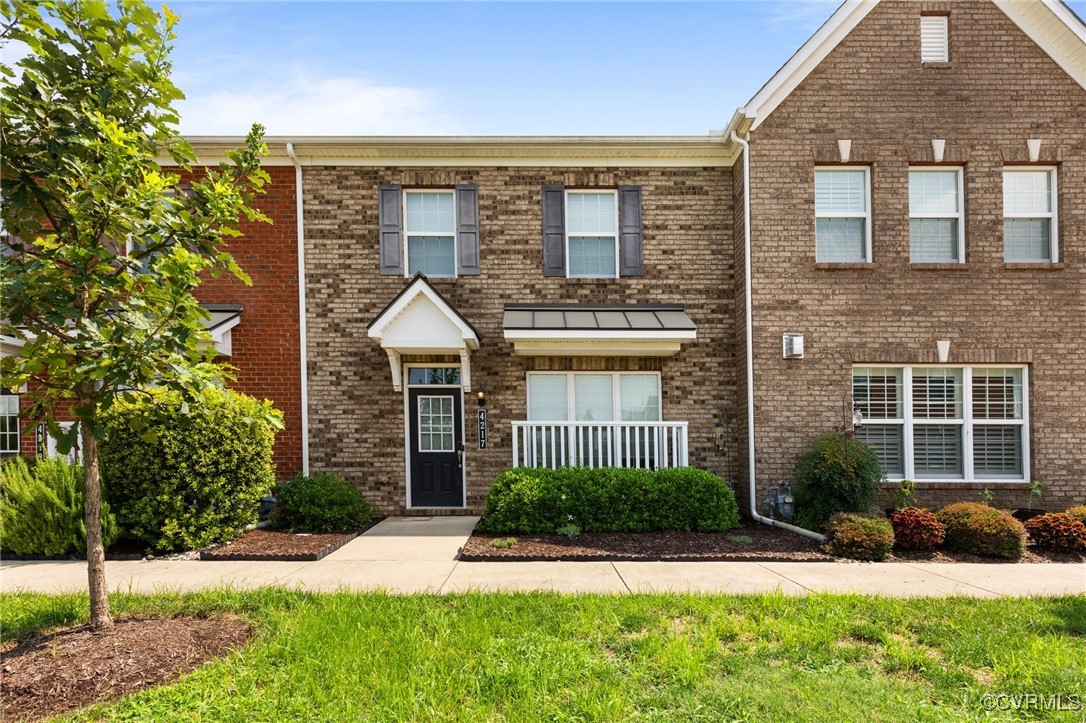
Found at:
<point>460,455</point>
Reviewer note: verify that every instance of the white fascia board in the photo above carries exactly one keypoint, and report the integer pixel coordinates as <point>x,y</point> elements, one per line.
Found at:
<point>224,328</point>
<point>596,347</point>
<point>1068,51</point>
<point>631,335</point>
<point>806,59</point>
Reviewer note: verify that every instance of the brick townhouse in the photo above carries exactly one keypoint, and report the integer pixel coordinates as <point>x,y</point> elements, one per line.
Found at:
<point>889,237</point>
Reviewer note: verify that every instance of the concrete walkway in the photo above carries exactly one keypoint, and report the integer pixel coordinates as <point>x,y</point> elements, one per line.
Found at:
<point>418,555</point>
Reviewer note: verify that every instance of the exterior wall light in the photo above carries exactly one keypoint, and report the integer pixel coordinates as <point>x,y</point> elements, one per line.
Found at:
<point>718,435</point>
<point>480,396</point>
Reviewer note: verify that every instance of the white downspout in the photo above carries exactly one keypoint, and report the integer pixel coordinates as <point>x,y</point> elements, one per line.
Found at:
<point>750,354</point>
<point>300,224</point>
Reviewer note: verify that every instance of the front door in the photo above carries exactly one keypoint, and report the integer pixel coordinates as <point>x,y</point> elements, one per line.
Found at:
<point>437,447</point>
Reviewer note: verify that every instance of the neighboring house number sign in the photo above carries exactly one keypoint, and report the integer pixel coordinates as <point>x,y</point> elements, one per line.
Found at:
<point>482,429</point>
<point>39,440</point>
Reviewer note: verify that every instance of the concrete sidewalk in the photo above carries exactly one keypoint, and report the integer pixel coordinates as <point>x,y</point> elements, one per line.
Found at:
<point>418,555</point>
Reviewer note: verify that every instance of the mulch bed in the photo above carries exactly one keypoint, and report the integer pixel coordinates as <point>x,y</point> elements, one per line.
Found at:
<point>59,671</point>
<point>768,544</point>
<point>282,545</point>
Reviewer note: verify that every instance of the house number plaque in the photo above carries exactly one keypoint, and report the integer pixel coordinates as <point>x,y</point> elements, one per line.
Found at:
<point>482,429</point>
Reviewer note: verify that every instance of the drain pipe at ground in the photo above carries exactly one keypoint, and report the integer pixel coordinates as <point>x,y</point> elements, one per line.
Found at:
<point>750,355</point>
<point>302,331</point>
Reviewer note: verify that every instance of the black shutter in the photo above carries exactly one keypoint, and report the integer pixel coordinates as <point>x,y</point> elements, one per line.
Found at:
<point>631,261</point>
<point>467,229</point>
<point>554,231</point>
<point>388,209</point>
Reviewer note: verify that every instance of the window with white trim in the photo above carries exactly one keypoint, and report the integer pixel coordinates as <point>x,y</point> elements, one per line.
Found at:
<point>936,223</point>
<point>1029,215</point>
<point>945,423</point>
<point>593,397</point>
<point>592,233</point>
<point>934,39</point>
<point>842,215</point>
<point>430,232</point>
<point>9,424</point>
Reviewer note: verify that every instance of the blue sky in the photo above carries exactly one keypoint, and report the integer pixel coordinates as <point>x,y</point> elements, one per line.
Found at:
<point>560,68</point>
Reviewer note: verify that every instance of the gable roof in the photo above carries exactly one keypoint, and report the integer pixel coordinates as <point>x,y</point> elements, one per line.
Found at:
<point>1051,24</point>
<point>421,286</point>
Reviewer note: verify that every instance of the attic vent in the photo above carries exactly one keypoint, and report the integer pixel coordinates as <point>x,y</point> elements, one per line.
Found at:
<point>934,40</point>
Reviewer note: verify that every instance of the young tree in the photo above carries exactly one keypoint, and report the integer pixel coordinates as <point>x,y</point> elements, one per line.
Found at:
<point>104,247</point>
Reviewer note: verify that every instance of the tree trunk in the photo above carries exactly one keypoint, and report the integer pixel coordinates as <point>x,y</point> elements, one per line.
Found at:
<point>96,552</point>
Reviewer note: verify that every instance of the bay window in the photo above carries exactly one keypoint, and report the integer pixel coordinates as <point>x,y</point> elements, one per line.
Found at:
<point>945,423</point>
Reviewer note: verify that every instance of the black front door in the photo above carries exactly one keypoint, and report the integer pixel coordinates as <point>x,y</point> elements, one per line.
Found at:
<point>437,447</point>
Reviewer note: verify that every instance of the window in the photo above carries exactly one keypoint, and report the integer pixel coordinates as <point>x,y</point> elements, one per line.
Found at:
<point>430,233</point>
<point>945,423</point>
<point>934,39</point>
<point>9,424</point>
<point>936,224</point>
<point>434,376</point>
<point>1029,215</point>
<point>842,215</point>
<point>592,233</point>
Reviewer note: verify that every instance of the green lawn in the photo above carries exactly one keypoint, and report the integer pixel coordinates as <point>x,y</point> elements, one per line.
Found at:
<point>653,657</point>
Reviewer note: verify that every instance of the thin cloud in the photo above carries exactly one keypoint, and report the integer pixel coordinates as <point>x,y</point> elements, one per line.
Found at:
<point>302,105</point>
<point>805,15</point>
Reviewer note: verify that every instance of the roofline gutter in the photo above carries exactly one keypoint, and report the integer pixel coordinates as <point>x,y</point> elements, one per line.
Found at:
<point>299,221</point>
<point>751,466</point>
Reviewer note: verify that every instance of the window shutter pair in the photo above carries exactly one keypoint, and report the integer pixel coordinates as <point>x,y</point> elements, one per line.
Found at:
<point>390,221</point>
<point>630,237</point>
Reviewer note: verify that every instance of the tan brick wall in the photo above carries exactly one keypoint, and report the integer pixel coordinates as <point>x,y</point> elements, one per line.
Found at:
<point>356,419</point>
<point>997,90</point>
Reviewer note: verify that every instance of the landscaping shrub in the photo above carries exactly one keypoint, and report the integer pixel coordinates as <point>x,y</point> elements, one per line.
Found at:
<point>320,502</point>
<point>609,499</point>
<point>195,476</point>
<point>982,530</point>
<point>1078,513</point>
<point>1057,531</point>
<point>838,473</point>
<point>916,529</point>
<point>42,511</point>
<point>859,537</point>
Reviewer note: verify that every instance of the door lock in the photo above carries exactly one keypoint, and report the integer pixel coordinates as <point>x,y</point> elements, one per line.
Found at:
<point>460,455</point>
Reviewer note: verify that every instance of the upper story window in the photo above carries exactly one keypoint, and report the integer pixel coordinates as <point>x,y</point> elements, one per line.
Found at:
<point>936,223</point>
<point>9,424</point>
<point>1029,215</point>
<point>430,233</point>
<point>592,234</point>
<point>934,39</point>
<point>842,215</point>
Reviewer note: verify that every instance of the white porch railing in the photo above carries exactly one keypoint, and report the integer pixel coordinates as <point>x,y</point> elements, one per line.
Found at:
<point>647,445</point>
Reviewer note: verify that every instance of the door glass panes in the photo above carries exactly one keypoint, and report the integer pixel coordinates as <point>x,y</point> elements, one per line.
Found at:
<point>434,375</point>
<point>436,424</point>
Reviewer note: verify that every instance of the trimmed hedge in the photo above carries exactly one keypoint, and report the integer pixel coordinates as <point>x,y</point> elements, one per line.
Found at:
<point>859,537</point>
<point>838,473</point>
<point>195,476</point>
<point>320,502</point>
<point>1057,531</point>
<point>982,530</point>
<point>916,529</point>
<point>42,510</point>
<point>609,499</point>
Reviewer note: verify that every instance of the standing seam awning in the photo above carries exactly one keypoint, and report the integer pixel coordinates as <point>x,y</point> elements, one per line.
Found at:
<point>600,330</point>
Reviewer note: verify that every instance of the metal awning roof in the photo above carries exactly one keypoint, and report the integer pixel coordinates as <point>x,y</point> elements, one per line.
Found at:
<point>598,330</point>
<point>622,317</point>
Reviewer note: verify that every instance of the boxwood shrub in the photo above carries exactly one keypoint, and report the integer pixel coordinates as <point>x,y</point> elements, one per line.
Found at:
<point>609,499</point>
<point>42,510</point>
<point>838,473</point>
<point>859,537</point>
<point>982,530</point>
<point>195,476</point>
<point>320,502</point>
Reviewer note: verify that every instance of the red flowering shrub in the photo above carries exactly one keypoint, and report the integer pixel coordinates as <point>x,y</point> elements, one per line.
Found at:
<point>1057,531</point>
<point>916,529</point>
<point>859,537</point>
<point>982,530</point>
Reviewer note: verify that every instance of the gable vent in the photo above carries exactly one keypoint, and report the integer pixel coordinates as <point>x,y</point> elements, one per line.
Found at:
<point>934,41</point>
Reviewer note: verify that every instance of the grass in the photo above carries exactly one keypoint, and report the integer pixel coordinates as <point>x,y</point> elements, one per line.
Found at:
<point>524,657</point>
